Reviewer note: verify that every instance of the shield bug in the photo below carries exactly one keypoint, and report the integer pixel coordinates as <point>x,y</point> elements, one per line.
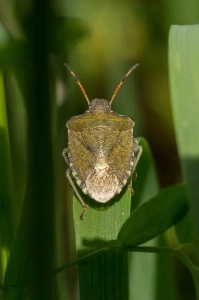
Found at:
<point>102,153</point>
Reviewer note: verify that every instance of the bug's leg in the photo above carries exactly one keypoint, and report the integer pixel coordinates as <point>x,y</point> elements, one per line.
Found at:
<point>68,175</point>
<point>139,151</point>
<point>131,190</point>
<point>64,154</point>
<point>134,176</point>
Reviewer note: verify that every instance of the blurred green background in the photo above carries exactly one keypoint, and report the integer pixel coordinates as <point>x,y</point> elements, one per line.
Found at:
<point>100,41</point>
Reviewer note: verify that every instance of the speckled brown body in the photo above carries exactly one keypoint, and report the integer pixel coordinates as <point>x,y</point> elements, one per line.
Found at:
<point>101,150</point>
<point>102,153</point>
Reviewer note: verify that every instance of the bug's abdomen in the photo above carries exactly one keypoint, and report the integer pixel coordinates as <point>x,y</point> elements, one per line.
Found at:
<point>102,185</point>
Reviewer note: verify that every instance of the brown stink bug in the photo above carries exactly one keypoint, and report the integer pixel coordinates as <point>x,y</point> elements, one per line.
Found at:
<point>102,153</point>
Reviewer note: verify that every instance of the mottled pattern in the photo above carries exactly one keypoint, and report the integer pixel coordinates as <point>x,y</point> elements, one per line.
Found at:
<point>80,156</point>
<point>100,151</point>
<point>122,155</point>
<point>102,184</point>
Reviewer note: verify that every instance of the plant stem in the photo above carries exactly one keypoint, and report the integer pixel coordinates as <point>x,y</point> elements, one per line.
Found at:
<point>196,281</point>
<point>163,250</point>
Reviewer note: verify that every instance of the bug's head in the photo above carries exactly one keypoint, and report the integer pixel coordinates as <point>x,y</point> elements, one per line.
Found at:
<point>99,105</point>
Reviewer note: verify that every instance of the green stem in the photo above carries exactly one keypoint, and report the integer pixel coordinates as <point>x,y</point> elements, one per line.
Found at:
<point>192,268</point>
<point>196,281</point>
<point>78,261</point>
<point>163,250</point>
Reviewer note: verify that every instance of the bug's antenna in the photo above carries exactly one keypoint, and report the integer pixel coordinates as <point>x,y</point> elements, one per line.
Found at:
<point>78,82</point>
<point>122,81</point>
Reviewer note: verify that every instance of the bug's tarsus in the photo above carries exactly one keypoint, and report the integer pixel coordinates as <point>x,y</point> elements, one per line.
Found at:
<point>131,190</point>
<point>83,211</point>
<point>78,82</point>
<point>122,81</point>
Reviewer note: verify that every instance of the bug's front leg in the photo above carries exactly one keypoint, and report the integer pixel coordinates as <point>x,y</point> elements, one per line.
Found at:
<point>64,154</point>
<point>68,175</point>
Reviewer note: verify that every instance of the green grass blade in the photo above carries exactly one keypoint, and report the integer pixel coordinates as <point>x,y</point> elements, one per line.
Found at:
<point>5,183</point>
<point>184,79</point>
<point>30,261</point>
<point>107,275</point>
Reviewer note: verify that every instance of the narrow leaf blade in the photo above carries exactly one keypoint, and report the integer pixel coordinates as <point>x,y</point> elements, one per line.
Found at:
<point>155,216</point>
<point>100,276</point>
<point>6,183</point>
<point>184,78</point>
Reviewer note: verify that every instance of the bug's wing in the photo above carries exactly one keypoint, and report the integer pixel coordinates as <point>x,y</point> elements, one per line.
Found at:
<point>80,156</point>
<point>121,157</point>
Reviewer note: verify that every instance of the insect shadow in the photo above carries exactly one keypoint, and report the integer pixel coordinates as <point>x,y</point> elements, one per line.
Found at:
<point>101,206</point>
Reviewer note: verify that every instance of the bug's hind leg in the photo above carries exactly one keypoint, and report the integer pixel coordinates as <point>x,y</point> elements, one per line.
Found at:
<point>139,151</point>
<point>68,175</point>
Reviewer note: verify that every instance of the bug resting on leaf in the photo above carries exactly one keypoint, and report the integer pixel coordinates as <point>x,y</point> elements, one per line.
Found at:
<point>102,153</point>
